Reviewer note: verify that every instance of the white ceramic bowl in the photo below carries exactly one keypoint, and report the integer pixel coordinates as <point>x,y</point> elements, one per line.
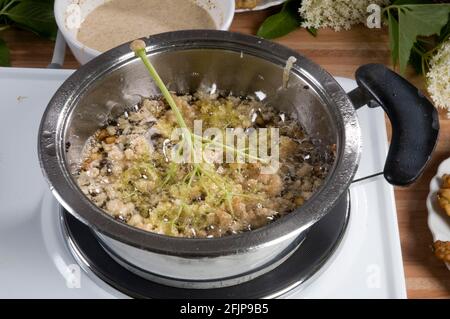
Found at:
<point>69,15</point>
<point>438,221</point>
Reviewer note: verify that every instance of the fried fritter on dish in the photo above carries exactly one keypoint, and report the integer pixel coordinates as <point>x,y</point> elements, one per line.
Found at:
<point>246,4</point>
<point>443,196</point>
<point>442,250</point>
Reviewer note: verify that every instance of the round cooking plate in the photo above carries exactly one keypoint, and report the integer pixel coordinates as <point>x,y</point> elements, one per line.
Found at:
<point>320,244</point>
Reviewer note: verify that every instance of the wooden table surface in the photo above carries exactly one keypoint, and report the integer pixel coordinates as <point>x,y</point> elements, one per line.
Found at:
<point>341,54</point>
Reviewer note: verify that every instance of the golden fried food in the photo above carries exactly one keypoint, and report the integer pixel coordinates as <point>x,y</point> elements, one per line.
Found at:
<point>446,181</point>
<point>443,195</point>
<point>442,250</point>
<point>246,4</point>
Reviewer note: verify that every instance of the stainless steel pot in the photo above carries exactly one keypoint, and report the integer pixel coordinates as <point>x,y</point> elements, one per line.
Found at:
<point>190,60</point>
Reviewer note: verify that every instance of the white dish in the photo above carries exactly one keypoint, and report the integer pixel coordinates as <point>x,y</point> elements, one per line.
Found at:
<point>263,4</point>
<point>69,14</point>
<point>438,221</point>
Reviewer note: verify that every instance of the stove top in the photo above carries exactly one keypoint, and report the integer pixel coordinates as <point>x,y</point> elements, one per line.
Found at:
<point>35,259</point>
<point>319,245</point>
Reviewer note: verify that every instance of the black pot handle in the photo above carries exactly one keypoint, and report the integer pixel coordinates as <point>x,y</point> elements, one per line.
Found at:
<point>414,120</point>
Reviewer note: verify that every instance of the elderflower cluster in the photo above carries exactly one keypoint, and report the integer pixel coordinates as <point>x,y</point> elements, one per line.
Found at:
<point>438,77</point>
<point>336,14</point>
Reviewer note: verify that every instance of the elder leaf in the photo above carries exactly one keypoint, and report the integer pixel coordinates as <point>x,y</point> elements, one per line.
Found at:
<point>445,32</point>
<point>34,15</point>
<point>283,22</point>
<point>414,21</point>
<point>4,54</point>
<point>393,37</point>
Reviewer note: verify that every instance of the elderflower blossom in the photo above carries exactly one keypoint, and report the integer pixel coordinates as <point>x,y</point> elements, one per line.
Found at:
<point>336,14</point>
<point>438,77</point>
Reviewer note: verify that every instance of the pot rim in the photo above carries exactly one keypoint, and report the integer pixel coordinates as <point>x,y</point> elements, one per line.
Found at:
<point>51,147</point>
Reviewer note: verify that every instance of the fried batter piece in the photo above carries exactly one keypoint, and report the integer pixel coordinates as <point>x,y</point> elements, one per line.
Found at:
<point>246,4</point>
<point>442,250</point>
<point>443,195</point>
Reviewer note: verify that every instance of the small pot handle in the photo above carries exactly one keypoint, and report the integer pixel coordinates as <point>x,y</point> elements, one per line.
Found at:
<point>414,120</point>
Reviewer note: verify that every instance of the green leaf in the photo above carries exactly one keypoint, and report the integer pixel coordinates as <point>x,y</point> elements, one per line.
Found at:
<point>416,61</point>
<point>4,2</point>
<point>312,31</point>
<point>278,25</point>
<point>393,37</point>
<point>34,15</point>
<point>445,32</point>
<point>282,23</point>
<point>4,54</point>
<point>414,21</point>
